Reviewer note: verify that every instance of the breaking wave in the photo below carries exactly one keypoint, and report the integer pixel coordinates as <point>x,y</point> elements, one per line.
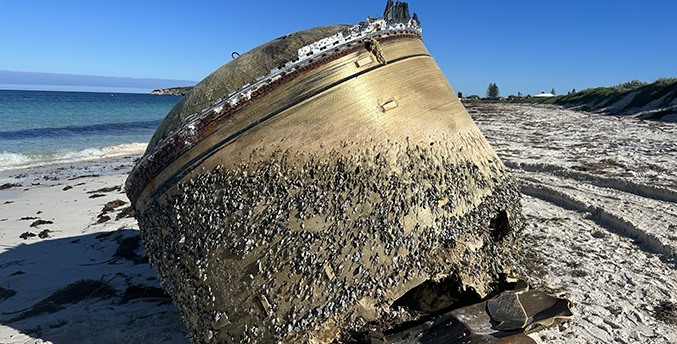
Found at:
<point>10,161</point>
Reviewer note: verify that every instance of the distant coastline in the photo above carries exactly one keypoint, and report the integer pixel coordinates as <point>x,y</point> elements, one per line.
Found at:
<point>172,91</point>
<point>39,81</point>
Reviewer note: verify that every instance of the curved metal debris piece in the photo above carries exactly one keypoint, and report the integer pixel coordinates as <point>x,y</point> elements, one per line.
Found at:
<point>303,187</point>
<point>506,318</point>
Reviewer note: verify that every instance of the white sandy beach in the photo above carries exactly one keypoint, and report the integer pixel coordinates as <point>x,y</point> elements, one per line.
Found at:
<point>600,197</point>
<point>71,248</point>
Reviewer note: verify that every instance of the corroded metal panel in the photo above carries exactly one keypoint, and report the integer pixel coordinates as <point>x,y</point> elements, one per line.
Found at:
<point>313,202</point>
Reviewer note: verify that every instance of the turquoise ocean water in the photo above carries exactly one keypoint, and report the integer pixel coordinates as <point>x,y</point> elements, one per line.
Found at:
<point>45,126</point>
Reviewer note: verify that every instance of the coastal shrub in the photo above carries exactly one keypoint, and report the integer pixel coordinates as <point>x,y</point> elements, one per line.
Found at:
<point>630,85</point>
<point>591,96</point>
<point>656,90</point>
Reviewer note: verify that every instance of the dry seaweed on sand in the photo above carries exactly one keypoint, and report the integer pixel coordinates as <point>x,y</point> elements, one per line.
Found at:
<point>102,218</point>
<point>41,222</point>
<point>126,212</point>
<point>106,189</point>
<point>9,186</point>
<point>26,235</point>
<point>110,206</point>
<point>666,312</point>
<point>141,292</point>
<point>6,293</point>
<point>72,293</point>
<point>127,249</point>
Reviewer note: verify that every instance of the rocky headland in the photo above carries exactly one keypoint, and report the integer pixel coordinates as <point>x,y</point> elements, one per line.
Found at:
<point>172,91</point>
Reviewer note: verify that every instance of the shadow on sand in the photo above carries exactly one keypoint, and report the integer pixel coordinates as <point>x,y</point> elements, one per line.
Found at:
<point>91,288</point>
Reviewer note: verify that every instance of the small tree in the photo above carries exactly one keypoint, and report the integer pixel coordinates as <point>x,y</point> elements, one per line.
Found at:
<point>573,91</point>
<point>519,94</point>
<point>460,95</point>
<point>553,92</point>
<point>492,91</point>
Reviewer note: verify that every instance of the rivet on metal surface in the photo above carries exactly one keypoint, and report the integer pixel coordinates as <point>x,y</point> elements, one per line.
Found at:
<point>389,105</point>
<point>363,62</point>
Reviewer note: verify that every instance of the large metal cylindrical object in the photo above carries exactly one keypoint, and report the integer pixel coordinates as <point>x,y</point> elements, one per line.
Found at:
<point>347,177</point>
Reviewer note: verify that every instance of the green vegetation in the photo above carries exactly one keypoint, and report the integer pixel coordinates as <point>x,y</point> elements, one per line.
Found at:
<point>492,91</point>
<point>664,87</point>
<point>661,93</point>
<point>594,97</point>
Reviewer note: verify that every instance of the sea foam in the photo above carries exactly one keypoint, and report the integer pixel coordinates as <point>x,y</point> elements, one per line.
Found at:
<point>10,161</point>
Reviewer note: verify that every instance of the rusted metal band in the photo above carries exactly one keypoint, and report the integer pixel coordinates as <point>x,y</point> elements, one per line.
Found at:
<point>195,162</point>
<point>178,144</point>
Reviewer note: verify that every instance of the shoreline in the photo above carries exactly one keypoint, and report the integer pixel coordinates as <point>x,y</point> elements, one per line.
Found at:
<point>606,247</point>
<point>32,160</point>
<point>56,234</point>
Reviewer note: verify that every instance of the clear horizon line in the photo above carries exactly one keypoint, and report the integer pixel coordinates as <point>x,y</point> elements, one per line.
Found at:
<point>78,82</point>
<point>89,75</point>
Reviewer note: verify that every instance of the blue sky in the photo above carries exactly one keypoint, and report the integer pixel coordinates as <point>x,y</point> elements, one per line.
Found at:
<point>525,46</point>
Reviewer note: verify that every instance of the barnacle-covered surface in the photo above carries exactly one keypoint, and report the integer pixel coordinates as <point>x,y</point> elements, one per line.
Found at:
<point>306,204</point>
<point>274,250</point>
